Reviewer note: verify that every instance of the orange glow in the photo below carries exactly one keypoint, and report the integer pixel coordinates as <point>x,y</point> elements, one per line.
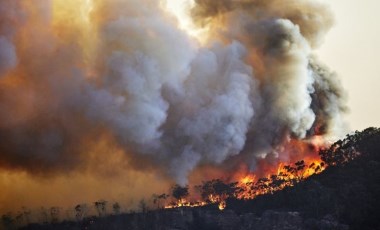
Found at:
<point>222,205</point>
<point>65,52</point>
<point>185,203</point>
<point>249,185</point>
<point>248,179</point>
<point>180,10</point>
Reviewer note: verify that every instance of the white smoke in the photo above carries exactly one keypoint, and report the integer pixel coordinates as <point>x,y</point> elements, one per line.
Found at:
<point>165,98</point>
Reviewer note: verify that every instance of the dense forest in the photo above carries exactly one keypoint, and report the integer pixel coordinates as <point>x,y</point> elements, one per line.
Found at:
<point>344,196</point>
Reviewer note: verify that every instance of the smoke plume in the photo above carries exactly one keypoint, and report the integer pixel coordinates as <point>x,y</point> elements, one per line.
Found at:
<point>124,73</point>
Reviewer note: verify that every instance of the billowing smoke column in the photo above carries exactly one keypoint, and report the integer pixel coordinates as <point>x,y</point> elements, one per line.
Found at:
<point>74,72</point>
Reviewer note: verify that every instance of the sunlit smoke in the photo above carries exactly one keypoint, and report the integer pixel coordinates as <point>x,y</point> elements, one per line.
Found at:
<point>176,87</point>
<point>181,10</point>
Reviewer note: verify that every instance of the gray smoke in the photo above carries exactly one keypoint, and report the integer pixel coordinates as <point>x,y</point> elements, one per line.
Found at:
<point>167,100</point>
<point>7,55</point>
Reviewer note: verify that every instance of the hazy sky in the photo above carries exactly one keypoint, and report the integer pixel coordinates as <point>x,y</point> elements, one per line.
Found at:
<point>352,49</point>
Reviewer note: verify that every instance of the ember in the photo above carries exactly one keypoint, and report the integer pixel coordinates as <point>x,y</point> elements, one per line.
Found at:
<point>249,186</point>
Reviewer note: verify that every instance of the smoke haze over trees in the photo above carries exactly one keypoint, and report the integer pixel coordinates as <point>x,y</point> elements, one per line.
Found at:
<point>344,195</point>
<point>118,93</point>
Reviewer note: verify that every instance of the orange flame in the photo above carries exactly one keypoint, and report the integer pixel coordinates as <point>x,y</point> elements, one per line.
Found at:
<point>249,185</point>
<point>222,205</point>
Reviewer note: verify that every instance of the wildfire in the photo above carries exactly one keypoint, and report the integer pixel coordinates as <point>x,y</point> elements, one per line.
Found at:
<point>249,186</point>
<point>222,205</point>
<point>184,203</point>
<point>212,75</point>
<point>248,179</point>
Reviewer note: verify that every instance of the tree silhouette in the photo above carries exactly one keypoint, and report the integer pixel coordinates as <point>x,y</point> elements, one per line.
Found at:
<point>159,199</point>
<point>7,220</point>
<point>142,205</point>
<point>26,213</point>
<point>116,208</point>
<point>19,218</point>
<point>216,190</point>
<point>352,146</point>
<point>44,215</point>
<point>179,192</point>
<point>100,206</point>
<point>54,214</point>
<point>80,211</point>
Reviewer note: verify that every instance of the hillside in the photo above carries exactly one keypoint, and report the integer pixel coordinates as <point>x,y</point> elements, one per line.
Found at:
<point>344,196</point>
<point>348,190</point>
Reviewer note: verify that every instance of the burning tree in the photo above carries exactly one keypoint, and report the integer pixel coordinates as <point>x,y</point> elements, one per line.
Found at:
<point>287,175</point>
<point>216,190</point>
<point>343,151</point>
<point>180,193</point>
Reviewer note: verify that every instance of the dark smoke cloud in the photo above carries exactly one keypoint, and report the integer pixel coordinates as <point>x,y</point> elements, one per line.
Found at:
<point>328,100</point>
<point>170,103</point>
<point>313,18</point>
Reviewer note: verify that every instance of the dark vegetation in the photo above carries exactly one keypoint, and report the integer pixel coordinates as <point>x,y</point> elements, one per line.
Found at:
<point>179,192</point>
<point>216,188</point>
<point>347,191</point>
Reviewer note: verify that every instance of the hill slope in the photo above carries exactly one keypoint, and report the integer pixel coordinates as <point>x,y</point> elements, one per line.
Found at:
<point>344,196</point>
<point>348,190</point>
